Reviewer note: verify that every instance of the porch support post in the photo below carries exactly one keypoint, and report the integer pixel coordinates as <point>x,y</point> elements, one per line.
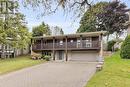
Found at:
<point>101,48</point>
<point>53,49</point>
<point>81,41</point>
<point>66,50</point>
<point>41,43</point>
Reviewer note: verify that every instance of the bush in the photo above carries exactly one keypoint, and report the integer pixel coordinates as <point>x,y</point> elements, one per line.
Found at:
<point>36,56</point>
<point>116,49</point>
<point>110,44</point>
<point>125,48</point>
<point>47,58</point>
<point>43,57</point>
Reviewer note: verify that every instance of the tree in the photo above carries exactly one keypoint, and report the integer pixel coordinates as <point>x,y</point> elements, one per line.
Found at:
<point>41,30</point>
<point>17,31</point>
<point>13,30</point>
<point>57,31</point>
<point>51,6</point>
<point>89,22</point>
<point>113,18</point>
<point>2,32</point>
<point>125,48</point>
<point>110,45</point>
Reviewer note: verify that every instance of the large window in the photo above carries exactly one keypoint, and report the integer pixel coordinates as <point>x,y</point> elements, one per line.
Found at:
<point>88,39</point>
<point>78,43</point>
<point>61,42</point>
<point>88,42</point>
<point>71,41</point>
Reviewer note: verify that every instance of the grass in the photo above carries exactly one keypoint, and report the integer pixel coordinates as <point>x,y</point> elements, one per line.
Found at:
<point>116,73</point>
<point>9,65</point>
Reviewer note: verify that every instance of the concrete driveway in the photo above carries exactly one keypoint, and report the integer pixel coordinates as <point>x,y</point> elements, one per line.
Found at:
<point>52,74</point>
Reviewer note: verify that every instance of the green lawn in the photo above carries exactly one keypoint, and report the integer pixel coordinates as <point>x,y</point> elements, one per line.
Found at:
<point>9,65</point>
<point>116,73</point>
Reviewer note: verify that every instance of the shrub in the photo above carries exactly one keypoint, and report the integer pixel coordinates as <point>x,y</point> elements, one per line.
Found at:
<point>47,58</point>
<point>116,49</point>
<point>125,48</point>
<point>42,57</point>
<point>110,44</point>
<point>36,56</point>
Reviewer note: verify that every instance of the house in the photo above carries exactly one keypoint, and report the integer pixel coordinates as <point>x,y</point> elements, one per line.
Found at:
<point>80,46</point>
<point>7,51</point>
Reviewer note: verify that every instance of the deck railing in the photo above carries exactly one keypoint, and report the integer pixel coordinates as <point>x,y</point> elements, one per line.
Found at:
<point>70,45</point>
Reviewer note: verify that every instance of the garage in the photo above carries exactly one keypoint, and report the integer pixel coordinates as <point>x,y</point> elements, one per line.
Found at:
<point>90,56</point>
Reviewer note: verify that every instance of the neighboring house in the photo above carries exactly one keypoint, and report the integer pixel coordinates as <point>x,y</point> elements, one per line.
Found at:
<point>80,46</point>
<point>7,51</point>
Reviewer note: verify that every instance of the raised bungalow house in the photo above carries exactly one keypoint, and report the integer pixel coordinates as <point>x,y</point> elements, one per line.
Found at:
<point>80,46</point>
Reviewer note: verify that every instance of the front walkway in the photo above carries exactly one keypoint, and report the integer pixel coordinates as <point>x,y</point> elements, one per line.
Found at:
<point>52,74</point>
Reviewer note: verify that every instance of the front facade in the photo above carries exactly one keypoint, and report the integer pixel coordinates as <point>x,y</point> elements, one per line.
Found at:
<point>81,46</point>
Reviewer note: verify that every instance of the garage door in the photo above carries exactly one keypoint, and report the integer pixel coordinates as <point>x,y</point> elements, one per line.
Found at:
<point>84,56</point>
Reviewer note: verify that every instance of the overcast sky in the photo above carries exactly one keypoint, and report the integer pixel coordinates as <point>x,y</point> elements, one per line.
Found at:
<point>57,19</point>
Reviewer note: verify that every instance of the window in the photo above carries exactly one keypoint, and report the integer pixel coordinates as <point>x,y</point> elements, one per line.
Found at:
<point>71,41</point>
<point>78,43</point>
<point>88,39</point>
<point>46,53</point>
<point>45,42</point>
<point>61,42</point>
<point>88,42</point>
<point>38,41</point>
<point>88,45</point>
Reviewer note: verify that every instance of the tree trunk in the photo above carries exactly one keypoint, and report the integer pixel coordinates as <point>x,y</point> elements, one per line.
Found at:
<point>117,37</point>
<point>14,53</point>
<point>22,51</point>
<point>3,50</point>
<point>107,38</point>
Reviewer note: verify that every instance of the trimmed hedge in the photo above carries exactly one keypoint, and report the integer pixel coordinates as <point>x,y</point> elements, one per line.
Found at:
<point>125,48</point>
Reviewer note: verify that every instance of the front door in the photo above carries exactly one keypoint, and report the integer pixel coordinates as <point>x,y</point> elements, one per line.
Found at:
<point>61,55</point>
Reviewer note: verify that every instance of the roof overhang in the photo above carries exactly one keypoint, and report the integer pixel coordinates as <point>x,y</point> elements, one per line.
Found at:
<point>72,35</point>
